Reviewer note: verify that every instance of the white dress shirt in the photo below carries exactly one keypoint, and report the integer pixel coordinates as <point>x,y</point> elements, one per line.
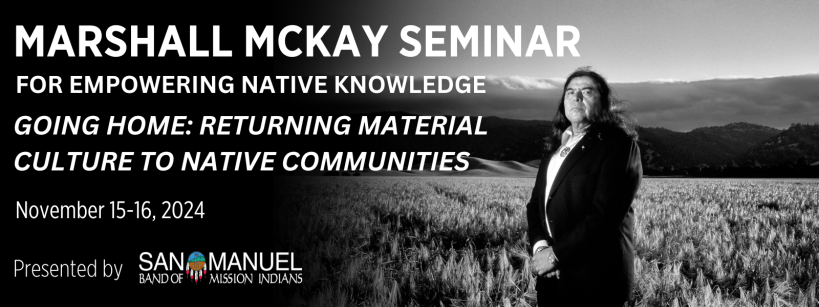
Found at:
<point>554,166</point>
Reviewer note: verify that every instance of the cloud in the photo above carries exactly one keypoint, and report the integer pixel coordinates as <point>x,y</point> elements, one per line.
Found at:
<point>680,106</point>
<point>522,83</point>
<point>727,77</point>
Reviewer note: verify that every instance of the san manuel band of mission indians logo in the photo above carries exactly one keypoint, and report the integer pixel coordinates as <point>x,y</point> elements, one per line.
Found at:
<point>219,268</point>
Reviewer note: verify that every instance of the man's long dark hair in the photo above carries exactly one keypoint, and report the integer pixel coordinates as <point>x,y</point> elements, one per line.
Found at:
<point>610,114</point>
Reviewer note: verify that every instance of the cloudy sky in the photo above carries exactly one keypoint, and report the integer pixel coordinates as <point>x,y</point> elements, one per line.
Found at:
<point>681,64</point>
<point>628,41</point>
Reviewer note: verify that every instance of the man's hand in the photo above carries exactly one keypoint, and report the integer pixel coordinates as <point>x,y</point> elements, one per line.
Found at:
<point>542,266</point>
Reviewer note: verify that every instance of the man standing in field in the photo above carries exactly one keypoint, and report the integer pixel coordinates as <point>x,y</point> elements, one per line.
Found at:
<point>580,216</point>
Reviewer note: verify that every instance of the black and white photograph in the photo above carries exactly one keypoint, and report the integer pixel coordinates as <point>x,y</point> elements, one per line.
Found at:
<point>415,153</point>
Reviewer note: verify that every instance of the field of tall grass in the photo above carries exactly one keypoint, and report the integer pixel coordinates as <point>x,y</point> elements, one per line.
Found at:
<point>375,241</point>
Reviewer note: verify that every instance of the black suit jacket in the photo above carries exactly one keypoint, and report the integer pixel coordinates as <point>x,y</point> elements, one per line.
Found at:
<point>591,218</point>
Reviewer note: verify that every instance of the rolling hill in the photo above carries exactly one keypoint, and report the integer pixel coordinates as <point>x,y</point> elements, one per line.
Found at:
<point>514,147</point>
<point>798,144</point>
<point>709,145</point>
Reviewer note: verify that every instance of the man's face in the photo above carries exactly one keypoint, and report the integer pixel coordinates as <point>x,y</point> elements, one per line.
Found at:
<point>581,99</point>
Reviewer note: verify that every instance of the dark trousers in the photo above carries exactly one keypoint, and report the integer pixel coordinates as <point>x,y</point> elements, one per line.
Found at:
<point>552,292</point>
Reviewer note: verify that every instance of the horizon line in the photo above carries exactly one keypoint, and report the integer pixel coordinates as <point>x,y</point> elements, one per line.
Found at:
<point>546,120</point>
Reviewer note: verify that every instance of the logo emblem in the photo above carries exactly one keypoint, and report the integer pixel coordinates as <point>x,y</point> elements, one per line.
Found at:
<point>196,266</point>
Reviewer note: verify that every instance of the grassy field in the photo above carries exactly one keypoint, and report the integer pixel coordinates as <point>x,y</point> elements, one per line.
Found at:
<point>462,241</point>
